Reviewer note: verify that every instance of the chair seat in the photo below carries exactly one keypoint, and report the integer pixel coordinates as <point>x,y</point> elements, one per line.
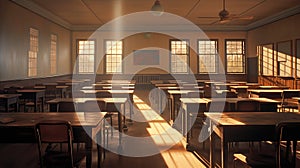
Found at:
<point>55,158</point>
<point>263,160</point>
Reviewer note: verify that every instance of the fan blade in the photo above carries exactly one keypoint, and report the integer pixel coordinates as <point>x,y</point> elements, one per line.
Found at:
<point>207,17</point>
<point>231,17</point>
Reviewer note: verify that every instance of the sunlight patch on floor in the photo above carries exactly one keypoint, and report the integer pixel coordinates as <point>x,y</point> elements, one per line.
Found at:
<point>164,135</point>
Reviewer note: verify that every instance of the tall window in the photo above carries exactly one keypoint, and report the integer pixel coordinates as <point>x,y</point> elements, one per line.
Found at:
<point>285,63</point>
<point>86,56</point>
<point>114,52</point>
<point>267,55</point>
<point>235,56</point>
<point>33,51</point>
<point>53,53</point>
<point>298,58</point>
<point>208,56</point>
<point>179,56</point>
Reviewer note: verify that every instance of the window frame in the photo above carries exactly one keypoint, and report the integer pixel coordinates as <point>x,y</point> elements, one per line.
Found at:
<point>216,56</point>
<point>105,57</point>
<point>285,60</point>
<point>188,56</point>
<point>244,56</point>
<point>262,63</point>
<point>297,58</point>
<point>53,65</point>
<point>32,70</point>
<point>77,56</point>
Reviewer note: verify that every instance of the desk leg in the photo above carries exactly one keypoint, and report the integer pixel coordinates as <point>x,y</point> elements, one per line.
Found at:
<point>7,106</point>
<point>120,126</point>
<point>212,146</point>
<point>224,153</point>
<point>88,148</point>
<point>172,108</point>
<point>35,104</point>
<point>124,113</point>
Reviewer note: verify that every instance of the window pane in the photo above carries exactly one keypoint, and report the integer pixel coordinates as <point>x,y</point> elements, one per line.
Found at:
<point>86,56</point>
<point>235,56</point>
<point>114,51</point>
<point>179,56</point>
<point>207,54</point>
<point>32,54</point>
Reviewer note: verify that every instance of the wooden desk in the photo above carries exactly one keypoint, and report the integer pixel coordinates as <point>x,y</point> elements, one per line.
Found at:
<point>61,89</point>
<point>10,99</point>
<point>193,107</point>
<point>243,127</point>
<point>22,129</point>
<point>115,93</point>
<point>118,102</point>
<point>175,95</point>
<point>273,87</point>
<point>224,86</point>
<point>241,90</point>
<point>265,104</point>
<point>34,95</point>
<point>165,84</point>
<point>269,93</point>
<point>113,84</point>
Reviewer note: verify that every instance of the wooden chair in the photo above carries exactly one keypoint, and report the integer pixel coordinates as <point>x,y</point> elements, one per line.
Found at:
<point>247,106</point>
<point>66,107</point>
<point>287,102</point>
<point>218,106</point>
<point>51,132</point>
<point>96,106</point>
<point>51,92</point>
<point>278,156</point>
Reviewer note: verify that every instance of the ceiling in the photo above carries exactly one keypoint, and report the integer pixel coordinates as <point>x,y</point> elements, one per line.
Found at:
<point>88,14</point>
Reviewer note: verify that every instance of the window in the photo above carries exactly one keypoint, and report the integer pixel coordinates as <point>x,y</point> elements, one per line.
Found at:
<point>53,53</point>
<point>207,56</point>
<point>33,51</point>
<point>179,56</point>
<point>267,56</point>
<point>86,56</point>
<point>284,59</point>
<point>298,58</point>
<point>113,52</point>
<point>235,56</point>
<point>258,53</point>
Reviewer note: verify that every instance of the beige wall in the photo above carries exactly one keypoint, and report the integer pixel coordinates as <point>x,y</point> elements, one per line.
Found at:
<point>283,30</point>
<point>153,41</point>
<point>14,32</point>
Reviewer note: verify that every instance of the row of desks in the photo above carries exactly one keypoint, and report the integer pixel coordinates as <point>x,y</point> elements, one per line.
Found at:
<point>242,127</point>
<point>118,102</point>
<point>21,127</point>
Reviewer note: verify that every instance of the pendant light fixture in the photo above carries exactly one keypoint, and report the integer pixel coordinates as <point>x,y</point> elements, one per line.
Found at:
<point>157,9</point>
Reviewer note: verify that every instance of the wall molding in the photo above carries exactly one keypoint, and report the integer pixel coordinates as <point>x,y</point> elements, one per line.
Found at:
<point>45,13</point>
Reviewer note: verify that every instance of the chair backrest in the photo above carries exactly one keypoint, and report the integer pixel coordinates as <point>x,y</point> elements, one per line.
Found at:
<point>66,107</point>
<point>92,106</point>
<point>54,131</point>
<point>287,131</point>
<point>289,94</point>
<point>247,106</point>
<point>218,106</point>
<point>229,94</point>
<point>12,89</point>
<point>104,95</point>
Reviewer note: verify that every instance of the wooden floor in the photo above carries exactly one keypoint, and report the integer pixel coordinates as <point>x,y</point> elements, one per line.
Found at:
<point>25,155</point>
<point>175,157</point>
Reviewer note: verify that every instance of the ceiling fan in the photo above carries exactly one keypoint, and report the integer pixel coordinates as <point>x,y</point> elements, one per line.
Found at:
<point>225,16</point>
